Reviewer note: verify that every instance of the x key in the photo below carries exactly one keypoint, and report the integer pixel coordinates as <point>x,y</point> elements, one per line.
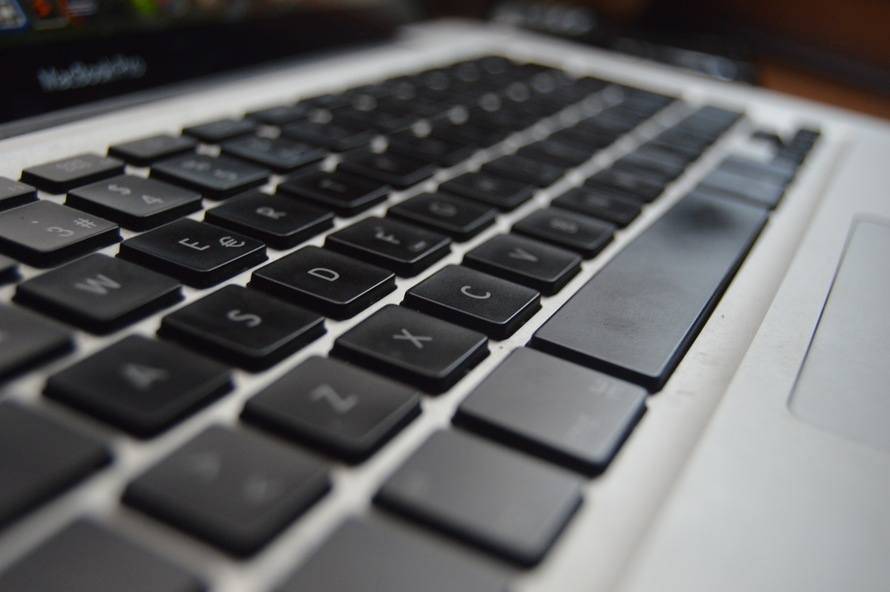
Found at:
<point>416,340</point>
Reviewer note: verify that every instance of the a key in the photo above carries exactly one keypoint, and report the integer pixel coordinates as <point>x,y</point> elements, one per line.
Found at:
<point>638,315</point>
<point>387,167</point>
<point>500,500</point>
<point>568,230</point>
<point>602,204</point>
<point>394,559</point>
<point>524,170</point>
<point>400,247</point>
<point>86,557</point>
<point>413,347</point>
<point>243,327</point>
<point>212,176</point>
<point>459,218</point>
<point>345,194</point>
<point>631,184</point>
<point>61,175</point>
<point>280,115</point>
<point>13,193</point>
<point>525,261</point>
<point>727,183</point>
<point>9,270</point>
<point>135,202</point>
<point>99,293</point>
<point>279,222</point>
<point>341,409</point>
<point>214,132</point>
<point>39,459</point>
<point>44,233</point>
<point>476,300</point>
<point>27,340</point>
<point>140,385</point>
<point>439,151</point>
<point>556,153</point>
<point>335,285</point>
<point>503,194</point>
<point>147,151</point>
<point>338,136</point>
<point>279,154</point>
<point>554,409</point>
<point>195,253</point>
<point>232,488</point>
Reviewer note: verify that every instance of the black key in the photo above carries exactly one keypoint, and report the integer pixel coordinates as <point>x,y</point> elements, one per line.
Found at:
<point>27,340</point>
<point>470,135</point>
<point>776,171</point>
<point>400,247</point>
<point>86,557</point>
<point>584,235</point>
<point>243,327</point>
<point>279,154</point>
<point>39,459</point>
<point>218,131</point>
<point>556,153</point>
<point>338,136</point>
<point>197,254</point>
<point>586,139</point>
<point>99,293</point>
<point>669,166</point>
<point>140,385</point>
<point>757,191</point>
<point>378,119</point>
<point>388,167</point>
<point>632,184</point>
<point>490,496</point>
<point>345,194</point>
<point>503,194</point>
<point>341,409</point>
<point>430,149</point>
<point>459,218</point>
<point>602,204</point>
<point>147,151</point>
<point>135,202</point>
<point>61,175</point>
<point>279,222</point>
<point>13,193</point>
<point>333,284</point>
<point>9,270</point>
<point>214,177</point>
<point>554,409</point>
<point>394,559</point>
<point>413,347</point>
<point>476,300</point>
<point>234,489</point>
<point>525,261</point>
<point>524,170</point>
<point>45,233</point>
<point>280,115</point>
<point>638,315</point>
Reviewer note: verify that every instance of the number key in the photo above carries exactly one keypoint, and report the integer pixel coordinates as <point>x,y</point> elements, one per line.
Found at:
<point>215,177</point>
<point>147,151</point>
<point>13,193</point>
<point>65,174</point>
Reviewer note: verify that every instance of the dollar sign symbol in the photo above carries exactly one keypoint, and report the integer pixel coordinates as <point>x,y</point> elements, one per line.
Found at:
<point>118,189</point>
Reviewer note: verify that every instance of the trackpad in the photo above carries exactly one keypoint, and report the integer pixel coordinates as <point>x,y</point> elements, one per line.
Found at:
<point>844,385</point>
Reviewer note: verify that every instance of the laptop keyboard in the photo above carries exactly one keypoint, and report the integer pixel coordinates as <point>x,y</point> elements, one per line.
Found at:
<point>506,478</point>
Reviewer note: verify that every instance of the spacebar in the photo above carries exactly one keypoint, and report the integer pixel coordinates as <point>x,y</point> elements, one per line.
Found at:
<point>637,317</point>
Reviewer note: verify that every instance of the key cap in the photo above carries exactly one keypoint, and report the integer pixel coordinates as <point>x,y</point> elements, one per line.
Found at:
<point>341,409</point>
<point>778,172</point>
<point>554,409</point>
<point>98,293</point>
<point>390,168</point>
<point>197,254</point>
<point>214,132</point>
<point>345,194</point>
<point>86,557</point>
<point>243,327</point>
<point>55,458</point>
<point>469,134</point>
<point>135,202</point>
<point>338,136</point>
<point>61,175</point>
<point>9,271</point>
<point>413,347</point>
<point>232,488</point>
<point>600,204</point>
<point>587,139</point>
<point>334,285</point>
<point>27,340</point>
<point>524,170</point>
<point>459,218</point>
<point>279,154</point>
<point>280,115</point>
<point>397,246</point>
<point>584,235</point>
<point>476,300</point>
<point>758,191</point>
<point>628,183</point>
<point>503,194</point>
<point>13,193</point>
<point>437,150</point>
<point>668,165</point>
<point>636,318</point>
<point>394,559</point>
<point>525,261</point>
<point>279,222</point>
<point>45,233</point>
<point>140,385</point>
<point>214,177</point>
<point>557,153</point>
<point>147,151</point>
<point>484,494</point>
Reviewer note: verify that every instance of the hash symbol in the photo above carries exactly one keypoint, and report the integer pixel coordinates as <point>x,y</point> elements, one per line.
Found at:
<point>84,223</point>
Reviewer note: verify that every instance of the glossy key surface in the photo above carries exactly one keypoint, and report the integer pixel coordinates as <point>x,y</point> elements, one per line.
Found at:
<point>27,339</point>
<point>459,218</point>
<point>13,193</point>
<point>146,151</point>
<point>215,177</point>
<point>61,175</point>
<point>343,193</point>
<point>587,236</point>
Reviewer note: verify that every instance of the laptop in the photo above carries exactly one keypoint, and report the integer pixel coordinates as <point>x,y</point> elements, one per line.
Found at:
<point>316,296</point>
